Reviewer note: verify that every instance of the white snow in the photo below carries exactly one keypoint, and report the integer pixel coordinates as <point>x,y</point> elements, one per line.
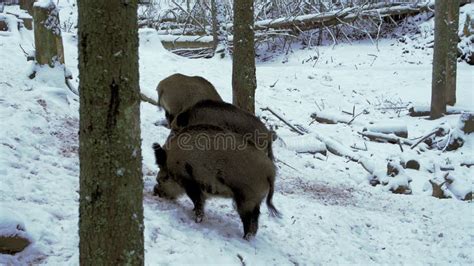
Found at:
<point>44,3</point>
<point>331,214</point>
<point>11,224</point>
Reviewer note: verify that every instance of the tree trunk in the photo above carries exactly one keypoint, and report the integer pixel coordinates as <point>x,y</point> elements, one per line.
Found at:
<point>244,81</point>
<point>440,60</point>
<point>219,31</point>
<point>27,5</point>
<point>48,40</point>
<point>453,39</point>
<point>111,186</point>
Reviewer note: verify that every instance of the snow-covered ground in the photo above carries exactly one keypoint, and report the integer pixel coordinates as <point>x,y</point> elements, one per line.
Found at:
<point>331,214</point>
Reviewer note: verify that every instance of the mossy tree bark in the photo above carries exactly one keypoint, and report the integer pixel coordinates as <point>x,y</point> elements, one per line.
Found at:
<point>27,5</point>
<point>111,186</point>
<point>453,39</point>
<point>244,82</point>
<point>47,31</point>
<point>440,59</point>
<point>443,84</point>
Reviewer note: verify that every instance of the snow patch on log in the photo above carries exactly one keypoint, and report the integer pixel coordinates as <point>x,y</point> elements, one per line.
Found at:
<point>305,144</point>
<point>396,128</point>
<point>13,235</point>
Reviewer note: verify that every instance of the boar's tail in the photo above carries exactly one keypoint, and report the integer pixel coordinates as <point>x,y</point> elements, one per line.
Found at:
<point>270,151</point>
<point>270,145</point>
<point>273,211</point>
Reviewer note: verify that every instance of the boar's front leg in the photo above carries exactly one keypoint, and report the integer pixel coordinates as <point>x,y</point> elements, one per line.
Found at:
<point>197,197</point>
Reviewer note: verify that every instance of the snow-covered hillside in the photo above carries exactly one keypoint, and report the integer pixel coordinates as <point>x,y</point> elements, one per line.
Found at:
<point>331,214</point>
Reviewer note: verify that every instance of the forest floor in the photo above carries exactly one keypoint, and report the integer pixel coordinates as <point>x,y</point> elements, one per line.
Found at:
<point>331,214</point>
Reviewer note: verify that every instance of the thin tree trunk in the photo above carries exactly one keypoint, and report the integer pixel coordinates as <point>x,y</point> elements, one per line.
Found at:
<point>453,24</point>
<point>219,30</point>
<point>111,186</point>
<point>244,82</point>
<point>440,60</point>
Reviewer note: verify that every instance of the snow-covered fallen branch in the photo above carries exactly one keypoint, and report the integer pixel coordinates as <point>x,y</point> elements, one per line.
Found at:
<point>305,144</point>
<point>325,117</point>
<point>382,137</point>
<point>398,129</point>
<point>417,111</point>
<point>332,145</point>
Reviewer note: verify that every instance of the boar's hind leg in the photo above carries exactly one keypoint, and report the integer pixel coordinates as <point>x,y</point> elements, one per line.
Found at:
<point>250,221</point>
<point>249,212</point>
<point>193,190</point>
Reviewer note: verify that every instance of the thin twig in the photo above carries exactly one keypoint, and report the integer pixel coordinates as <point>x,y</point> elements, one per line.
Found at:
<point>436,131</point>
<point>283,120</point>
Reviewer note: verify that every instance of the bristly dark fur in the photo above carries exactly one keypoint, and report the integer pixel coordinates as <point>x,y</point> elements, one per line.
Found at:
<point>183,119</point>
<point>160,154</point>
<point>220,105</point>
<point>202,127</point>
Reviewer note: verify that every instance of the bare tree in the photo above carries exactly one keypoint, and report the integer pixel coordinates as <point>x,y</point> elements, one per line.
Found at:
<point>111,186</point>
<point>443,87</point>
<point>453,39</point>
<point>219,30</point>
<point>244,81</point>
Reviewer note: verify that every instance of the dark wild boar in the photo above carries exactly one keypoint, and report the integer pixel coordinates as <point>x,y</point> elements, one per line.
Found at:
<point>206,160</point>
<point>229,117</point>
<point>178,92</point>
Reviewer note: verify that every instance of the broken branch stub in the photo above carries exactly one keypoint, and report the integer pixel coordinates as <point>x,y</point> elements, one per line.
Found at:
<point>466,123</point>
<point>48,39</point>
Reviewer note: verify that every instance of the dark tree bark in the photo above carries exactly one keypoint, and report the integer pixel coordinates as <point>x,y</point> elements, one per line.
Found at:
<point>453,39</point>
<point>244,82</point>
<point>111,186</point>
<point>440,60</point>
<point>27,5</point>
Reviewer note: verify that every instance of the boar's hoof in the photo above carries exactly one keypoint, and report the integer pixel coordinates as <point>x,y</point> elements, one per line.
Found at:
<point>249,236</point>
<point>156,191</point>
<point>199,217</point>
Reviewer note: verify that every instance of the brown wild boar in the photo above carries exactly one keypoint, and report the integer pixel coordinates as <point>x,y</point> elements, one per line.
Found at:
<point>206,160</point>
<point>229,117</point>
<point>178,92</point>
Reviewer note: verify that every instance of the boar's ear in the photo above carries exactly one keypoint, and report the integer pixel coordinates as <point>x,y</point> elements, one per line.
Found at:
<point>160,154</point>
<point>182,119</point>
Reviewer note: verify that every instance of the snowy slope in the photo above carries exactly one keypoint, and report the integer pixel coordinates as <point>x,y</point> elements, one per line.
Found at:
<point>331,213</point>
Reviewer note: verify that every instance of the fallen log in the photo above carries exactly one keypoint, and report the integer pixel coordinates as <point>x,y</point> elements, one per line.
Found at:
<point>305,144</point>
<point>332,145</point>
<point>381,137</point>
<point>347,15</point>
<point>400,185</point>
<point>171,42</point>
<point>417,111</point>
<point>399,130</point>
<point>330,118</point>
